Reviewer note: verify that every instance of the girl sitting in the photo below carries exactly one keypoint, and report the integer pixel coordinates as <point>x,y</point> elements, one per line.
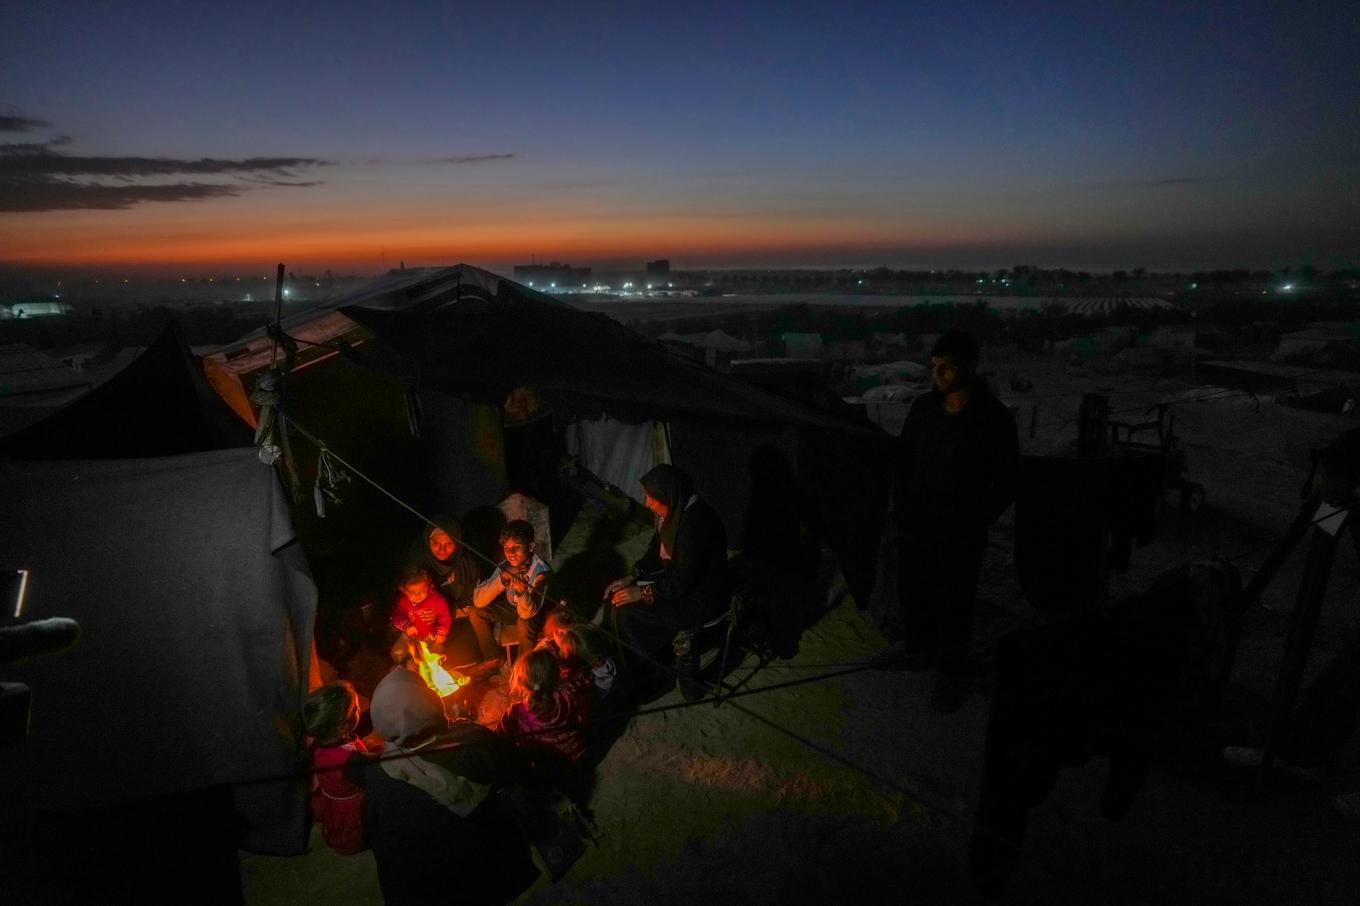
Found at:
<point>544,718</point>
<point>330,716</point>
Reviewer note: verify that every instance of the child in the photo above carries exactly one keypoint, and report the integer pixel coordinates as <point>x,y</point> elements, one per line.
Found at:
<point>421,612</point>
<point>555,627</point>
<point>514,593</point>
<point>543,709</point>
<point>588,644</point>
<point>573,674</point>
<point>330,716</point>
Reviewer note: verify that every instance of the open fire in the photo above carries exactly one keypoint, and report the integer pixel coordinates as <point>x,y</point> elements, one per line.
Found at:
<point>433,672</point>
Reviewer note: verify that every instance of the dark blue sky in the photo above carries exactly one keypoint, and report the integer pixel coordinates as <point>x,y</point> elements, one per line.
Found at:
<point>1153,135</point>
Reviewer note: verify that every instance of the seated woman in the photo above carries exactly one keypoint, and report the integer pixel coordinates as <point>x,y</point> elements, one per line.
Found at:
<point>436,831</point>
<point>442,554</point>
<point>679,583</point>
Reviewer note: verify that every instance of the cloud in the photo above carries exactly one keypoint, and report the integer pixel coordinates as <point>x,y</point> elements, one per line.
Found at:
<point>64,195</point>
<point>21,124</point>
<point>35,177</point>
<point>475,158</point>
<point>1163,183</point>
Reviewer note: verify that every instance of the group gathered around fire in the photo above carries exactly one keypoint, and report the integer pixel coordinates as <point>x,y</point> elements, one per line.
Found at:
<point>427,777</point>
<point>427,780</point>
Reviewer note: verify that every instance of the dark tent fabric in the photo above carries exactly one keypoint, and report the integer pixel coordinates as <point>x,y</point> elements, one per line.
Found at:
<point>196,613</point>
<point>173,550</point>
<point>159,405</point>
<point>483,346</point>
<point>473,337</point>
<point>585,363</point>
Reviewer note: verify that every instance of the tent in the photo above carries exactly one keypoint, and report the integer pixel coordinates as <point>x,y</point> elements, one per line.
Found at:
<point>460,349</point>
<point>166,737</point>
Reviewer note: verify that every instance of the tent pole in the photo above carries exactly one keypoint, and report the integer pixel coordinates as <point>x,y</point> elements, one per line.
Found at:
<point>278,313</point>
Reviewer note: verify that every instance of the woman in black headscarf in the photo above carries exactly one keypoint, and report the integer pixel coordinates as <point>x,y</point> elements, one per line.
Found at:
<point>681,581</point>
<point>440,550</point>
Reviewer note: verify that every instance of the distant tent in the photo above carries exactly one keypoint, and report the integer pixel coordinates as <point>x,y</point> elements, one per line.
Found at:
<point>159,405</point>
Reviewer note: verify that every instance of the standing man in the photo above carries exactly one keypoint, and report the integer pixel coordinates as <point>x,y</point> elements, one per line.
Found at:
<point>959,458</point>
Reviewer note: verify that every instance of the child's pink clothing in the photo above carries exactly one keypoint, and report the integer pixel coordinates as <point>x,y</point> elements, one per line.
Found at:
<point>431,617</point>
<point>557,728</point>
<point>338,804</point>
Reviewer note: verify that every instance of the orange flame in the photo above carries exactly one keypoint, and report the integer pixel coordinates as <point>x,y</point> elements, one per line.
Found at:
<point>432,671</point>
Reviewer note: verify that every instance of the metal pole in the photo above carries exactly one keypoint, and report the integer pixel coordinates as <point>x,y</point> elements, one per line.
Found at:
<point>278,313</point>
<point>1307,608</point>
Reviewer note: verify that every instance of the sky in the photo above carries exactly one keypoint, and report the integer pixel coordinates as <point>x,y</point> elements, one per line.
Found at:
<point>180,137</point>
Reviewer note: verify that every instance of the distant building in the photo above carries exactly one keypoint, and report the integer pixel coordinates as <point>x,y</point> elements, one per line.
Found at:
<point>888,343</point>
<point>659,268</point>
<point>803,345</point>
<point>544,276</point>
<point>1169,338</point>
<point>35,307</point>
<point>715,348</point>
<point>846,351</point>
<point>1315,339</point>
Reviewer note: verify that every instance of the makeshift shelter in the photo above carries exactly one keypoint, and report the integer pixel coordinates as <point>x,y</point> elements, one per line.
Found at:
<point>480,367</point>
<point>167,737</point>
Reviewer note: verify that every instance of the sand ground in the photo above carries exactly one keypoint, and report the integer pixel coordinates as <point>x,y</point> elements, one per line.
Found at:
<point>853,789</point>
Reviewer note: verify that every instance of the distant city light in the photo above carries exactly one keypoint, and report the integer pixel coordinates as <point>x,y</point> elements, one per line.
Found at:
<point>1287,287</point>
<point>286,292</point>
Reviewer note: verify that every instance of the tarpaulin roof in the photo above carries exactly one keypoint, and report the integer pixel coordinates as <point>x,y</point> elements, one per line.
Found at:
<point>24,369</point>
<point>466,339</point>
<point>472,333</point>
<point>159,405</point>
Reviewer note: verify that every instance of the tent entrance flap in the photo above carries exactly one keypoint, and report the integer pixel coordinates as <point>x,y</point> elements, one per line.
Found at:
<point>619,453</point>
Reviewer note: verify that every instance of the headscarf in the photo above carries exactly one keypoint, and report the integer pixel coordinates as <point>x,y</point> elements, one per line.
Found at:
<point>409,716</point>
<point>672,487</point>
<point>460,563</point>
